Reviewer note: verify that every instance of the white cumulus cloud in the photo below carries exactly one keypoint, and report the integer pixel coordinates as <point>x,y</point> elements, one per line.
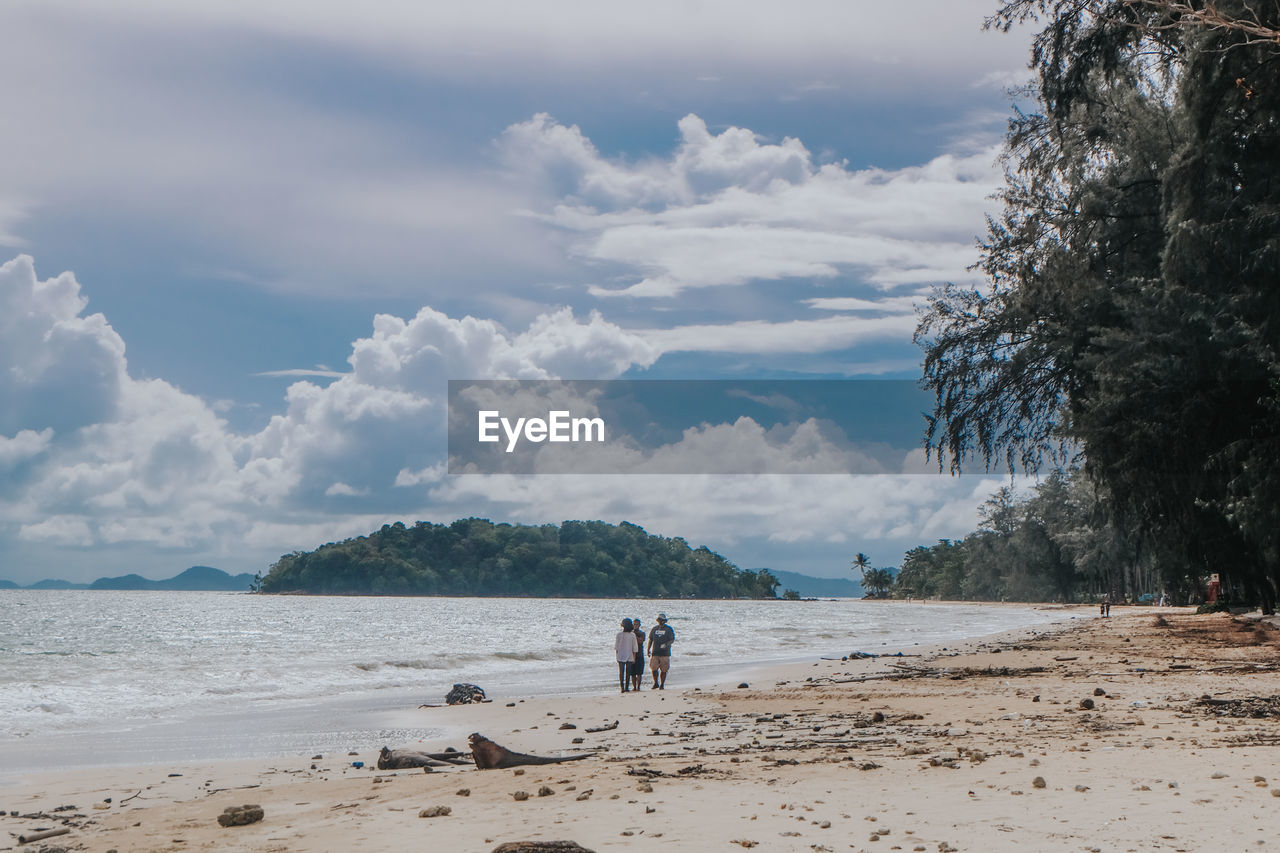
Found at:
<point>728,208</point>
<point>91,455</point>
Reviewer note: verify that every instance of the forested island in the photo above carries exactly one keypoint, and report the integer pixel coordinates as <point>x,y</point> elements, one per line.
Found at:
<point>474,556</point>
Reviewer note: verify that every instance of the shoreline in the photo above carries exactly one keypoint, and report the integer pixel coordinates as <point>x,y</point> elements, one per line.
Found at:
<point>1086,734</point>
<point>254,716</point>
<point>949,748</point>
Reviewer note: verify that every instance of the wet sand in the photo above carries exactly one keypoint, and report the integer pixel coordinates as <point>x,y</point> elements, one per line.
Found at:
<point>1152,730</point>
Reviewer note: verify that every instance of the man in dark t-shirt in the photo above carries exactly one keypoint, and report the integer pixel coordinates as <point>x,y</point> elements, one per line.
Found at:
<point>637,665</point>
<point>660,640</point>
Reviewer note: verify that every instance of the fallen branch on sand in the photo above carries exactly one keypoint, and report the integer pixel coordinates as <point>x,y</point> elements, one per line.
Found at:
<point>491,756</point>
<point>399,759</point>
<point>37,836</point>
<point>610,727</point>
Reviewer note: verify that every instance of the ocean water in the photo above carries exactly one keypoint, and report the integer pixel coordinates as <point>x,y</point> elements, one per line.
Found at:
<point>104,677</point>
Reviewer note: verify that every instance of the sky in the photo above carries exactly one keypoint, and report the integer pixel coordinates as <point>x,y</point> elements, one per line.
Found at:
<point>245,245</point>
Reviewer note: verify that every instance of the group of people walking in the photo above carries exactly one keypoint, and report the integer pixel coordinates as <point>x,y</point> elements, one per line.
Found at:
<point>630,648</point>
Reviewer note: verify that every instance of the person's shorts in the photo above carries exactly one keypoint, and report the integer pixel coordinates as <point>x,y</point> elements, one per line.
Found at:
<point>660,663</point>
<point>637,666</point>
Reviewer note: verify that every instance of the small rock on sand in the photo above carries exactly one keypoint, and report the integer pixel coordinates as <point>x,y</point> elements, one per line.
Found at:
<point>1038,782</point>
<point>520,796</point>
<point>435,811</point>
<point>241,815</point>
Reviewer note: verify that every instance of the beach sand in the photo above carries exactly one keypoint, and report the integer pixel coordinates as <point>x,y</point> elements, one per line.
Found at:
<point>984,747</point>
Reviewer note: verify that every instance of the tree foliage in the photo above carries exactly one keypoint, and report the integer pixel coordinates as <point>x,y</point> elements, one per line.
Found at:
<point>474,556</point>
<point>1131,317</point>
<point>877,582</point>
<point>1059,543</point>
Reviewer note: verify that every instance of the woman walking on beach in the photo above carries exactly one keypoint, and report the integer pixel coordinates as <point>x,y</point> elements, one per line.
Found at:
<point>625,648</point>
<point>637,664</point>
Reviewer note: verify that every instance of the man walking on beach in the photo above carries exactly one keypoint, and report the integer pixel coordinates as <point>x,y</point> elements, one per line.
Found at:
<point>660,640</point>
<point>625,646</point>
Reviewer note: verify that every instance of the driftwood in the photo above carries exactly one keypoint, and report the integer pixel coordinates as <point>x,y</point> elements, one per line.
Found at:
<point>606,728</point>
<point>399,759</point>
<point>36,836</point>
<point>540,847</point>
<point>490,756</point>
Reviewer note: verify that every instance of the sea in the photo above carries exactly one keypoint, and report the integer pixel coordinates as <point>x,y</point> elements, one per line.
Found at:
<point>92,678</point>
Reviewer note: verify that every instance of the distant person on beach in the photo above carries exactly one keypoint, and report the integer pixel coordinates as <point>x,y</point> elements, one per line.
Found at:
<point>637,665</point>
<point>625,646</point>
<point>660,640</point>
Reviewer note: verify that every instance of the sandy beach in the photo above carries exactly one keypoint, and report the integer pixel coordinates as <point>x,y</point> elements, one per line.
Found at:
<point>1152,730</point>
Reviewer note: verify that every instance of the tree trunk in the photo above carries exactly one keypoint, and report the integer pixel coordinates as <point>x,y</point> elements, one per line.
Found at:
<point>490,756</point>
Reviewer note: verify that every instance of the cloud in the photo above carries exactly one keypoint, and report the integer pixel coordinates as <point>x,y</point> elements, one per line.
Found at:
<point>894,304</point>
<point>716,36</point>
<point>11,213</point>
<point>323,140</point>
<point>1003,79</point>
<point>58,369</point>
<point>344,489</point>
<point>733,509</point>
<point>319,372</point>
<point>760,336</point>
<point>160,469</point>
<point>727,209</point>
<point>58,530</point>
<point>96,456</point>
<point>25,445</point>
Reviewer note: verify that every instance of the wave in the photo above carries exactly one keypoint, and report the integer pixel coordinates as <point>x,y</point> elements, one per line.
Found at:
<point>53,708</point>
<point>455,660</point>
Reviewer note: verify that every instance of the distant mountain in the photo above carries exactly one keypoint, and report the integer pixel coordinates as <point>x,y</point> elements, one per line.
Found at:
<point>196,578</point>
<point>202,578</point>
<point>811,587</point>
<point>57,584</point>
<point>124,582</point>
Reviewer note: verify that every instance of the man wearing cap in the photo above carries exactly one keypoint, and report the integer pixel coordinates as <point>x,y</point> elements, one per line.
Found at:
<point>660,640</point>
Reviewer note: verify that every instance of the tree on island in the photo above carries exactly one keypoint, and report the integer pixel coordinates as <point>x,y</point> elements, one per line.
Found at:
<point>474,556</point>
<point>877,582</point>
